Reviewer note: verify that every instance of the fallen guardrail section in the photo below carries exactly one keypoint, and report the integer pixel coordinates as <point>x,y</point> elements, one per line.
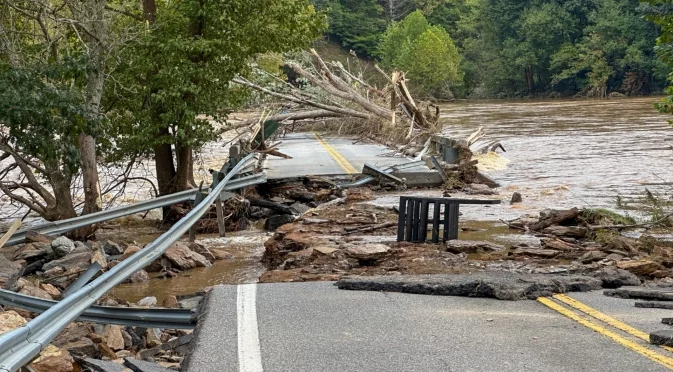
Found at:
<point>63,226</point>
<point>20,346</point>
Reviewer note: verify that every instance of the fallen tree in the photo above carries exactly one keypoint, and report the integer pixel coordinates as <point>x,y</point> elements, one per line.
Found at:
<point>389,115</point>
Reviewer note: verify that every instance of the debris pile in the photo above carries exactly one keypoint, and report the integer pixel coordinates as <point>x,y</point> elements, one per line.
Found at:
<point>94,347</point>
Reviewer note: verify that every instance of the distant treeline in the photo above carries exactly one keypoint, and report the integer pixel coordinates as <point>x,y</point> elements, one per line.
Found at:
<point>513,48</point>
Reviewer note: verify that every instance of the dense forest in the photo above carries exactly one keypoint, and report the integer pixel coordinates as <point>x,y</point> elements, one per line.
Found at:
<point>511,48</point>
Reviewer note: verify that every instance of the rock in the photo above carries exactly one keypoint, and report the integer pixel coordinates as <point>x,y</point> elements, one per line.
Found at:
<point>9,272</point>
<point>616,278</point>
<point>140,276</point>
<point>640,267</point>
<point>536,252</point>
<point>153,337</point>
<point>479,189</point>
<point>516,198</point>
<point>51,290</point>
<point>30,253</point>
<point>54,271</point>
<point>501,285</point>
<point>274,222</point>
<point>359,195</point>
<point>113,337</point>
<point>74,332</point>
<point>148,301</point>
<point>170,302</point>
<point>183,258</point>
<point>614,257</point>
<point>301,195</point>
<point>95,337</point>
<point>468,246</point>
<point>106,352</point>
<point>128,340</point>
<point>102,365</point>
<point>191,303</point>
<point>130,251</point>
<point>82,348</point>
<point>36,237</point>
<point>324,250</point>
<point>30,290</point>
<point>221,254</point>
<point>71,262</point>
<point>367,252</point>
<point>617,95</point>
<point>592,256</point>
<point>10,320</point>
<point>300,208</point>
<point>99,256</point>
<point>53,359</point>
<point>62,246</point>
<point>566,231</point>
<point>143,366</point>
<point>112,248</point>
<point>81,247</point>
<point>664,337</point>
<point>203,251</point>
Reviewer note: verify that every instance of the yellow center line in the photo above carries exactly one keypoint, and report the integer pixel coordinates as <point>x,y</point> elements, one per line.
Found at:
<point>343,163</point>
<point>640,349</point>
<point>606,318</point>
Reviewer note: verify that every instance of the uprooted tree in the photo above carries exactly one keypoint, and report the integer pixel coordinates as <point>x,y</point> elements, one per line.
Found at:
<point>389,115</point>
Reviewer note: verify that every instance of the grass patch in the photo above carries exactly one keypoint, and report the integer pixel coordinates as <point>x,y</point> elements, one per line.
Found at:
<point>601,216</point>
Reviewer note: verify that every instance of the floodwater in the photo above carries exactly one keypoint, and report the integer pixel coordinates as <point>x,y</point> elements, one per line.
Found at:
<point>573,153</point>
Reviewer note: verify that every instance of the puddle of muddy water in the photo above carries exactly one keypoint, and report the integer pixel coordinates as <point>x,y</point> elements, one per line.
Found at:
<point>244,266</point>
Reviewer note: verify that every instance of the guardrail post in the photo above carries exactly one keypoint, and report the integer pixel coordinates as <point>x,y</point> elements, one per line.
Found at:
<point>218,206</point>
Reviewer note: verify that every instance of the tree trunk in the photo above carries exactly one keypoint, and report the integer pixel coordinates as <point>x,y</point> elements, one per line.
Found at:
<point>164,165</point>
<point>63,207</point>
<point>185,169</point>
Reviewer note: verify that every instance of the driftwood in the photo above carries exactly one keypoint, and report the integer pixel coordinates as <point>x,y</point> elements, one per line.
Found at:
<point>372,228</point>
<point>277,207</point>
<point>555,218</point>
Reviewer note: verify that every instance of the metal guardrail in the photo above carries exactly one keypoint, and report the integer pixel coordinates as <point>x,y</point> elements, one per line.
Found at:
<point>20,346</point>
<point>128,316</point>
<point>63,226</point>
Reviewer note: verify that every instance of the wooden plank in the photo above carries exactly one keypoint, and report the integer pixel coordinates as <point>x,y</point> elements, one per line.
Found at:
<point>401,219</point>
<point>12,229</point>
<point>438,168</point>
<point>435,222</point>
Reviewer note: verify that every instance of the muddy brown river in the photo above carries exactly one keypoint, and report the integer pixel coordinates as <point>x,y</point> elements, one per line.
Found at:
<point>560,153</point>
<point>567,153</point>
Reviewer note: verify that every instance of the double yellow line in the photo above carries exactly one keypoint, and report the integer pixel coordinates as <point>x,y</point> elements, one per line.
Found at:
<point>554,304</point>
<point>343,163</point>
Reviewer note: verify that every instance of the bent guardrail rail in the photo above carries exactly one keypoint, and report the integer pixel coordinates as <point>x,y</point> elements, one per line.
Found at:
<point>63,226</point>
<point>20,346</point>
<point>128,316</point>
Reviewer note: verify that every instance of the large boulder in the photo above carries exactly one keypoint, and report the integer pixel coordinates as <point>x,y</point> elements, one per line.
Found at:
<point>62,246</point>
<point>113,337</point>
<point>71,262</point>
<point>184,258</point>
<point>640,267</point>
<point>33,291</point>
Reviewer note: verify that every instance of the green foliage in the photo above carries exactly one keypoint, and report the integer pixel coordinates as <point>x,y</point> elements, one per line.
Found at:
<point>179,70</point>
<point>661,12</point>
<point>44,109</point>
<point>425,52</point>
<point>357,24</point>
<point>601,216</point>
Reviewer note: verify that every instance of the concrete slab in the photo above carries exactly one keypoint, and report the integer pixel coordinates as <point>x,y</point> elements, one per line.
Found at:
<point>318,156</point>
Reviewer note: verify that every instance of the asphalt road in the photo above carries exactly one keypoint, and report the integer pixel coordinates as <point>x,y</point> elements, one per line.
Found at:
<point>311,327</point>
<point>315,155</point>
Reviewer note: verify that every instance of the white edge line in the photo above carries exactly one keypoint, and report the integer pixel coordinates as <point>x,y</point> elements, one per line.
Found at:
<point>249,353</point>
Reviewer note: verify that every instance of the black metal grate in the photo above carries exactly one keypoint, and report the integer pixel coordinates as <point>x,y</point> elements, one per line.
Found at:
<point>414,219</point>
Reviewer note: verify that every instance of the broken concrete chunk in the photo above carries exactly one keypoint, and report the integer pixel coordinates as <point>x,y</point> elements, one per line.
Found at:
<point>616,278</point>
<point>636,293</point>
<point>143,366</point>
<point>102,365</point>
<point>662,338</point>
